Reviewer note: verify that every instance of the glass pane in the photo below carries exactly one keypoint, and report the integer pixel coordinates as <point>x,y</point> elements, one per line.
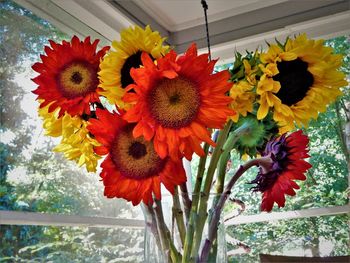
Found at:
<point>317,236</point>
<point>327,180</point>
<point>32,177</point>
<point>70,244</point>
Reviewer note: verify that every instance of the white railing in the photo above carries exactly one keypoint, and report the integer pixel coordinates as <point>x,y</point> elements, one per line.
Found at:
<point>312,212</point>
<point>43,219</point>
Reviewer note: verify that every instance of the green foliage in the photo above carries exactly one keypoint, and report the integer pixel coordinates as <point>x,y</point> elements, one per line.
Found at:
<point>23,34</point>
<point>33,178</point>
<point>313,235</point>
<point>325,186</point>
<point>54,185</point>
<point>238,71</point>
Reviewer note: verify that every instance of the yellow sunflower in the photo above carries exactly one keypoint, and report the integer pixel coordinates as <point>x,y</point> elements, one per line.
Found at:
<point>299,80</point>
<point>243,99</point>
<point>115,68</point>
<point>77,144</point>
<point>51,123</point>
<point>250,71</point>
<point>242,92</point>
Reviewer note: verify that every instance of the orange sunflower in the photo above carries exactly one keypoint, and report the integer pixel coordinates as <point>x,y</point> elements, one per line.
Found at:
<point>132,169</point>
<point>68,76</point>
<point>176,100</point>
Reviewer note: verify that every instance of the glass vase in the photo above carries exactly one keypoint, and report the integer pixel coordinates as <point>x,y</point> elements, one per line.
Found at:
<point>218,251</point>
<point>153,251</point>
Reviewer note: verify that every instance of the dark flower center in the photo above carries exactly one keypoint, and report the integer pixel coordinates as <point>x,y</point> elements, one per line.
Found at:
<point>295,81</point>
<point>135,157</point>
<point>174,103</point>
<point>278,151</point>
<point>137,150</point>
<point>76,77</point>
<point>134,61</point>
<point>174,99</point>
<point>264,181</point>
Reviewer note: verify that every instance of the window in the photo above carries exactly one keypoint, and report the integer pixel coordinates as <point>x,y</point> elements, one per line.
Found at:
<point>35,179</point>
<point>304,237</point>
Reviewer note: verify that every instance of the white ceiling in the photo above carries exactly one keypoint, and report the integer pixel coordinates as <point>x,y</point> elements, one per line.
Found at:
<point>182,21</point>
<point>234,25</point>
<point>177,15</point>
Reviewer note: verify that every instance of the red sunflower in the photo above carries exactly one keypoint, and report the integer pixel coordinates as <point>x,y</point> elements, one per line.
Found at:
<point>287,154</point>
<point>132,169</point>
<point>176,100</point>
<point>68,76</point>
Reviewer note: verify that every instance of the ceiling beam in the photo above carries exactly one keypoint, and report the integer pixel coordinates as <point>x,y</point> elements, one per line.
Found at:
<point>256,22</point>
<point>59,17</point>
<point>98,19</point>
<point>250,30</point>
<point>139,16</point>
<point>101,16</point>
<point>325,28</point>
<point>104,19</point>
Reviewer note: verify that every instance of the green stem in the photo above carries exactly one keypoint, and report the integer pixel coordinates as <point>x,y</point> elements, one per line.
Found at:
<point>170,250</point>
<point>194,206</point>
<point>213,251</point>
<point>177,212</point>
<point>225,156</point>
<point>163,239</point>
<point>186,200</point>
<point>221,174</point>
<point>202,210</point>
<point>219,188</point>
<point>151,222</point>
<point>264,162</point>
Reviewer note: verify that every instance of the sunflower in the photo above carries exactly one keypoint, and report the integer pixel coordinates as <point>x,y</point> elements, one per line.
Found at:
<point>115,68</point>
<point>76,143</point>
<point>176,100</point>
<point>255,136</point>
<point>132,169</point>
<point>287,154</point>
<point>299,80</point>
<point>52,124</point>
<point>243,98</point>
<point>68,76</point>
<point>242,91</point>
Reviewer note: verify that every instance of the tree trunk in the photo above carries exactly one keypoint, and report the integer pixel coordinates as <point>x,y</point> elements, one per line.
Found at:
<point>347,136</point>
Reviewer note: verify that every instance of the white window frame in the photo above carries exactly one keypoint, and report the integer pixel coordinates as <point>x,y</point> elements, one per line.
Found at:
<point>100,19</point>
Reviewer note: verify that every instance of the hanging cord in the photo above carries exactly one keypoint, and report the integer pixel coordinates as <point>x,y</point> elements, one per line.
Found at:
<point>205,7</point>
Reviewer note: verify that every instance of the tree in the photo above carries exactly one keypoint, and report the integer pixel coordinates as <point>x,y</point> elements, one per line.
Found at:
<point>325,186</point>
<point>54,185</point>
<point>15,45</point>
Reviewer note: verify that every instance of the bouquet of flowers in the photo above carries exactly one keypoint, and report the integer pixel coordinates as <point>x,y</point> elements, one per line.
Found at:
<point>143,109</point>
